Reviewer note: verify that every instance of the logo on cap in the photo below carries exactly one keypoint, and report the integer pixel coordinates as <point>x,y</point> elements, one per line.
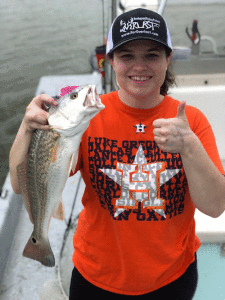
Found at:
<point>138,23</point>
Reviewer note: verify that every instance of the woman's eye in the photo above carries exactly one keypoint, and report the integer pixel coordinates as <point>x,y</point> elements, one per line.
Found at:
<point>74,96</point>
<point>152,55</point>
<point>127,56</point>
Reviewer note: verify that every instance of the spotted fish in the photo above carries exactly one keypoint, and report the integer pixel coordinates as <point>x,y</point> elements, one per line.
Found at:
<point>51,156</point>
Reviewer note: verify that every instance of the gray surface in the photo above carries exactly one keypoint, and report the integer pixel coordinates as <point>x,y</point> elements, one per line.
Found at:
<point>7,230</point>
<point>24,278</point>
<point>203,64</point>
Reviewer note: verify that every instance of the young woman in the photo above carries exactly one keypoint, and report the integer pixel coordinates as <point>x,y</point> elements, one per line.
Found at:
<point>148,161</point>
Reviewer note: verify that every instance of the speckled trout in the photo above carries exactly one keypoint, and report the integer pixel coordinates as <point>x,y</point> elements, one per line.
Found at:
<point>51,156</point>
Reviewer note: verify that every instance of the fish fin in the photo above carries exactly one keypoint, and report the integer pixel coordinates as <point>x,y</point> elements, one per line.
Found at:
<point>39,250</point>
<point>23,183</point>
<point>59,212</point>
<point>73,162</point>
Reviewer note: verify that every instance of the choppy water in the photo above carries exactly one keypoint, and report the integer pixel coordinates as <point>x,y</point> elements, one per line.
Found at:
<point>55,37</point>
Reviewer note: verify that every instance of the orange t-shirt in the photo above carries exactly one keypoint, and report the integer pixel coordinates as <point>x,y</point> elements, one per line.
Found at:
<point>136,232</point>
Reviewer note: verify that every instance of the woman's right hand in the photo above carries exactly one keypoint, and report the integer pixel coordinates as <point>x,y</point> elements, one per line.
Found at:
<point>36,116</point>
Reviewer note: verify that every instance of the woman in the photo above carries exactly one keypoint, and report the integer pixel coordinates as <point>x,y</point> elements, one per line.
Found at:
<point>147,161</point>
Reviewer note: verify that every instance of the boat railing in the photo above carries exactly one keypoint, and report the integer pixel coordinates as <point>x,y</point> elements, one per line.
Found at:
<point>212,41</point>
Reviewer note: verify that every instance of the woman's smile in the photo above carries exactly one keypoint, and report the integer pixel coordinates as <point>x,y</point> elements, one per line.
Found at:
<point>140,78</point>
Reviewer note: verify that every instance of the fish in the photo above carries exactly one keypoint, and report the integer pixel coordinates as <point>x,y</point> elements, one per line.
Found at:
<point>51,156</point>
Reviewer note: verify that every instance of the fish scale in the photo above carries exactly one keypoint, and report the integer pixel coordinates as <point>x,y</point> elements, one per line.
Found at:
<point>39,163</point>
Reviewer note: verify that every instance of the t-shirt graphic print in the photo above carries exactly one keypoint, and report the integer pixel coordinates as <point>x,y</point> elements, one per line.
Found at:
<point>143,180</point>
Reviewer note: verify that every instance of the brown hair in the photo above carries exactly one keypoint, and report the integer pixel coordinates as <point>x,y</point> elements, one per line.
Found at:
<point>169,78</point>
<point>169,81</point>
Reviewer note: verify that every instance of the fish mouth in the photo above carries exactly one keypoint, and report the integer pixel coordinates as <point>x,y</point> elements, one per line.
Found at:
<point>92,98</point>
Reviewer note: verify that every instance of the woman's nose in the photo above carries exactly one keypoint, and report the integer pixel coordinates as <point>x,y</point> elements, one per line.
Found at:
<point>140,65</point>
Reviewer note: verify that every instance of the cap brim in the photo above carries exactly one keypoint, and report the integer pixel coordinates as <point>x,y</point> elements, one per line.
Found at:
<point>138,38</point>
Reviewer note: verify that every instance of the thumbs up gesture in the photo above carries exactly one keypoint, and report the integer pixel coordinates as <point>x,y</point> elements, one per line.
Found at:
<point>171,134</point>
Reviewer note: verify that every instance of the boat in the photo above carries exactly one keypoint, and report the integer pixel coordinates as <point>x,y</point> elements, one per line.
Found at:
<point>201,82</point>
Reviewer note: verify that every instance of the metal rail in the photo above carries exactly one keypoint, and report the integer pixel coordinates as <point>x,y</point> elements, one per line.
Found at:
<point>162,7</point>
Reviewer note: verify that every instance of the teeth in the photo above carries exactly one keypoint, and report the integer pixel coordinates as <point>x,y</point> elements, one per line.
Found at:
<point>137,78</point>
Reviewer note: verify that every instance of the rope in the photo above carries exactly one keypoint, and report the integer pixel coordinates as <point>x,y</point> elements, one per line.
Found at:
<point>70,225</point>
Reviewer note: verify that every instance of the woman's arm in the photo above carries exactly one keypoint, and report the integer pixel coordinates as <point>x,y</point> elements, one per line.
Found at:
<point>206,183</point>
<point>36,117</point>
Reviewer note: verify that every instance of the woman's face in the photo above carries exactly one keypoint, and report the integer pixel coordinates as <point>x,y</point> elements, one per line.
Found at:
<point>140,68</point>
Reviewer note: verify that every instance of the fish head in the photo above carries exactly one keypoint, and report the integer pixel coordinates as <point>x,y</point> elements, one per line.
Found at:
<point>75,110</point>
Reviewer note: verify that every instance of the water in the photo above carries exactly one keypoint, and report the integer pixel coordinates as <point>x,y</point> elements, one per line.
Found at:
<point>52,37</point>
<point>40,38</point>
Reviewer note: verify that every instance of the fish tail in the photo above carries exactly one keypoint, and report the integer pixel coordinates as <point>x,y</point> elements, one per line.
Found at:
<point>39,250</point>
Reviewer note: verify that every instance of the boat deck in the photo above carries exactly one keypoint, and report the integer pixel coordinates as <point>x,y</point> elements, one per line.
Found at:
<point>24,278</point>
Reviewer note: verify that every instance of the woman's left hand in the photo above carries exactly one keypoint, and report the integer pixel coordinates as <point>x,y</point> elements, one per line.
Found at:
<point>170,134</point>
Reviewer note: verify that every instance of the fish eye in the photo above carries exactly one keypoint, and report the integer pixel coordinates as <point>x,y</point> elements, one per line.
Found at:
<point>74,95</point>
